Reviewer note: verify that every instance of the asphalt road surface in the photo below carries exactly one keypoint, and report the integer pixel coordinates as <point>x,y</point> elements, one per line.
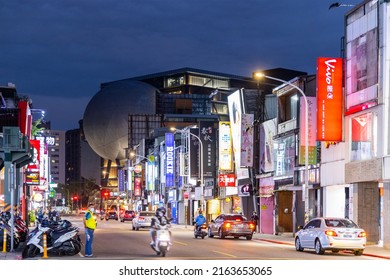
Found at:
<point>116,240</point>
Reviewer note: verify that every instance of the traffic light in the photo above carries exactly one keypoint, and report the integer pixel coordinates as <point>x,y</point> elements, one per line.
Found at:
<point>75,197</point>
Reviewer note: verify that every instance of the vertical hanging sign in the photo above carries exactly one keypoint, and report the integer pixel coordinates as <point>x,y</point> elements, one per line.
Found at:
<point>207,136</point>
<point>329,99</point>
<point>170,160</point>
<point>225,147</point>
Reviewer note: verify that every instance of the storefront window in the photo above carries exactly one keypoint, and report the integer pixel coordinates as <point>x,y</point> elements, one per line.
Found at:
<point>363,137</point>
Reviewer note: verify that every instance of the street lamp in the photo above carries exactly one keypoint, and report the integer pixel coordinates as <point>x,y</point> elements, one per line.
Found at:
<point>200,159</point>
<point>306,186</point>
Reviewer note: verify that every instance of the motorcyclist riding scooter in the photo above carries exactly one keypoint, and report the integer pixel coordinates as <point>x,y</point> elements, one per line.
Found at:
<point>160,233</point>
<point>159,218</point>
<point>200,222</point>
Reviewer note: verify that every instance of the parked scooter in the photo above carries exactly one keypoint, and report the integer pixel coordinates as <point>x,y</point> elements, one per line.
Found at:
<point>61,240</point>
<point>201,231</point>
<point>7,227</point>
<point>162,243</point>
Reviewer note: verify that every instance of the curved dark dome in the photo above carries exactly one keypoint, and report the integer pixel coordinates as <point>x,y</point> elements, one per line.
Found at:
<point>105,117</point>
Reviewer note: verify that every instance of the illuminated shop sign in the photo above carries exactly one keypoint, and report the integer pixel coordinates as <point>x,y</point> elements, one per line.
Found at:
<point>225,147</point>
<point>329,99</point>
<point>170,159</point>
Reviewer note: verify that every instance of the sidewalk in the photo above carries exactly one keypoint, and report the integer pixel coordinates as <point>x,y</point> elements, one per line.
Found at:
<point>15,255</point>
<point>288,239</point>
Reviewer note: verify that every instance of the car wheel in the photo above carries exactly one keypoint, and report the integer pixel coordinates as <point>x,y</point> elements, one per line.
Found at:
<point>298,245</point>
<point>133,227</point>
<point>137,228</point>
<point>220,233</point>
<point>318,248</point>
<point>209,233</point>
<point>358,252</point>
<point>249,237</point>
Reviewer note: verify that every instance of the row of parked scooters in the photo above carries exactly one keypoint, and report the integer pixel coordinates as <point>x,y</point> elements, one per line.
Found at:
<point>62,238</point>
<point>20,231</point>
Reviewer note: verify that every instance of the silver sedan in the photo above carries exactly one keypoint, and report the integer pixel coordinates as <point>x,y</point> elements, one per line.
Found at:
<point>333,234</point>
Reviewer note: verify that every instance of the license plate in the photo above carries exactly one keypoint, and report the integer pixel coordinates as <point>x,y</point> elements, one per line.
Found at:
<point>347,235</point>
<point>240,225</point>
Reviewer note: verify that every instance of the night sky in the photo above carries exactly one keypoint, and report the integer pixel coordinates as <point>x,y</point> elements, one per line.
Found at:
<point>59,52</point>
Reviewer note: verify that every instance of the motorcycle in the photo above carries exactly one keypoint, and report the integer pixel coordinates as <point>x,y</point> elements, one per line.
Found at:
<point>62,239</point>
<point>7,227</point>
<point>201,231</point>
<point>20,227</point>
<point>163,239</point>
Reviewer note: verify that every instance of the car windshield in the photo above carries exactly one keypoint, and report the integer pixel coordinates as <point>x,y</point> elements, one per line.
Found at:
<point>340,223</point>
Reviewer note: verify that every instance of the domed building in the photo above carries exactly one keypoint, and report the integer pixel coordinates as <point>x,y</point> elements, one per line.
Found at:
<point>105,120</point>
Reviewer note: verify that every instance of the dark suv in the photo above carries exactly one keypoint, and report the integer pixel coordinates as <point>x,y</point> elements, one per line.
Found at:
<point>111,215</point>
<point>127,215</point>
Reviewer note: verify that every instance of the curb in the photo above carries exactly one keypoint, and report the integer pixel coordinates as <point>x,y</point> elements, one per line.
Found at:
<point>291,244</point>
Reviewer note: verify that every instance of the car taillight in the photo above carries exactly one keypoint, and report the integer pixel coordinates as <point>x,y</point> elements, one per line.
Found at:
<point>362,234</point>
<point>141,218</point>
<point>330,233</point>
<point>227,225</point>
<point>251,226</point>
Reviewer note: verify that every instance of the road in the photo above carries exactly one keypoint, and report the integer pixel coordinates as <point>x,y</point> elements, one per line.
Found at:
<point>116,240</point>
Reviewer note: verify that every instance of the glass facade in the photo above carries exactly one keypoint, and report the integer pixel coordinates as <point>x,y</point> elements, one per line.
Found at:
<point>363,137</point>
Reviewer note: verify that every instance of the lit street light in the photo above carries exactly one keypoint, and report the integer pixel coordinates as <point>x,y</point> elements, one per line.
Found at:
<point>200,159</point>
<point>306,185</point>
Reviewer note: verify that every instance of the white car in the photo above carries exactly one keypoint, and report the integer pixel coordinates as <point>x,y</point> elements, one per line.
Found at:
<point>333,234</point>
<point>143,219</point>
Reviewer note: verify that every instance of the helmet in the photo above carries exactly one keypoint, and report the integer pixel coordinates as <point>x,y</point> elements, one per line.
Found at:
<point>45,223</point>
<point>160,211</point>
<point>66,224</point>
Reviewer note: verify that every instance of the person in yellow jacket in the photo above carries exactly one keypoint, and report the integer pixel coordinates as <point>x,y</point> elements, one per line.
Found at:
<point>90,226</point>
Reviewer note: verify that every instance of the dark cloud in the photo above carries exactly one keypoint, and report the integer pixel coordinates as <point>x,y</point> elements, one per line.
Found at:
<point>59,51</point>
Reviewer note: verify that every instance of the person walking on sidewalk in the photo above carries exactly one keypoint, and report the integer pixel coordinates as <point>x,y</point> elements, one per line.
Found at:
<point>90,226</point>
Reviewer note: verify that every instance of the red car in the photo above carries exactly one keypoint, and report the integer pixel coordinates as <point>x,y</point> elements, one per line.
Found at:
<point>127,215</point>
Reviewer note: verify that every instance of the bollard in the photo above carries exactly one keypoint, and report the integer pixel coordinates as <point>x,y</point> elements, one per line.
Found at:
<point>5,241</point>
<point>45,246</point>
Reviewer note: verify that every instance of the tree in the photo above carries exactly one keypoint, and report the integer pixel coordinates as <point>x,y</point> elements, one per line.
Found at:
<point>35,129</point>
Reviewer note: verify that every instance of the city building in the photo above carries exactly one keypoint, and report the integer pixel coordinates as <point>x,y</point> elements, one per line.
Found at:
<point>189,100</point>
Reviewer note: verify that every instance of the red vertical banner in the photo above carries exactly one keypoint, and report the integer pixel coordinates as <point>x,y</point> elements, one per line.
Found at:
<point>329,99</point>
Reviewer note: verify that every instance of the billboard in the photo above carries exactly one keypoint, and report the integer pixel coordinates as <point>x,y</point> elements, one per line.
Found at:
<point>361,65</point>
<point>235,113</point>
<point>267,132</point>
<point>227,180</point>
<point>170,160</point>
<point>312,125</point>
<point>329,99</point>
<point>225,147</point>
<point>246,140</point>
<point>207,135</point>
